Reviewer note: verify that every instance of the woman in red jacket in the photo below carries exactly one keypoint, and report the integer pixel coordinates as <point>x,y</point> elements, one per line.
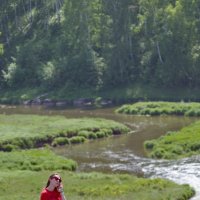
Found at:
<point>53,189</point>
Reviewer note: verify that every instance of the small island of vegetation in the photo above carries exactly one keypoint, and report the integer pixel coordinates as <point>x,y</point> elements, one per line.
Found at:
<point>161,108</point>
<point>32,131</point>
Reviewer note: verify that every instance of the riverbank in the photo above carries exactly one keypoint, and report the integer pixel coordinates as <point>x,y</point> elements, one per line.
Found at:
<point>116,95</point>
<point>174,145</point>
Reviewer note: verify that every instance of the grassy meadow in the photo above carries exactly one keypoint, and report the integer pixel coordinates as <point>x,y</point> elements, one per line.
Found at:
<point>161,108</point>
<point>24,185</point>
<point>30,131</point>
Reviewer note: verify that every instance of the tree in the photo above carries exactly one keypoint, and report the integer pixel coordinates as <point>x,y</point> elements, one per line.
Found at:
<point>122,49</point>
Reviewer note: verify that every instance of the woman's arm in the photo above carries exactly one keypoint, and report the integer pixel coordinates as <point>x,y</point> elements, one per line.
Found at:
<point>63,195</point>
<point>60,189</point>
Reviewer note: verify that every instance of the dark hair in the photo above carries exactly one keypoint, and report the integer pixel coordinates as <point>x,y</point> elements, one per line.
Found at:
<point>50,177</point>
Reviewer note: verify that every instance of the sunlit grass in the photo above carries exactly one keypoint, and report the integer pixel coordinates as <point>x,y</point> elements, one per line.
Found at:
<point>20,185</point>
<point>161,108</point>
<point>173,145</point>
<point>35,160</point>
<point>28,131</point>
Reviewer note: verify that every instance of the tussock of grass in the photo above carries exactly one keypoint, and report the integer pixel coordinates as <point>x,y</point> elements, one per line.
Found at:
<point>35,160</point>
<point>29,131</point>
<point>91,186</point>
<point>161,108</point>
<point>183,143</point>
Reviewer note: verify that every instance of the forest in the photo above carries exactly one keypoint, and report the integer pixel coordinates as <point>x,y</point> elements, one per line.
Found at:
<point>95,44</point>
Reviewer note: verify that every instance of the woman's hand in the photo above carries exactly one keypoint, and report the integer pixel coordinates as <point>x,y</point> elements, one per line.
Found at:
<point>60,188</point>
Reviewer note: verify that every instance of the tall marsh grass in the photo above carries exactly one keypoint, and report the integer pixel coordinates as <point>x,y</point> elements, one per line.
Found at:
<point>173,145</point>
<point>30,131</point>
<point>161,108</point>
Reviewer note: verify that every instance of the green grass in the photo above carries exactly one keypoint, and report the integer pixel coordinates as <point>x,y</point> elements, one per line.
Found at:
<point>28,131</point>
<point>161,108</point>
<point>24,185</point>
<point>173,145</point>
<point>35,160</point>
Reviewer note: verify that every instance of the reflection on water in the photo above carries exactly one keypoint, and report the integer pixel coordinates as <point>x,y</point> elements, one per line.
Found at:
<point>125,153</point>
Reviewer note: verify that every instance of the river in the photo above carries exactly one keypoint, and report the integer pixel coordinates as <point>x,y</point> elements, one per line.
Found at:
<point>125,153</point>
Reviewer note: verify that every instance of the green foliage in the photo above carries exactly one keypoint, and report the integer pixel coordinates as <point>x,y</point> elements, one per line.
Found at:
<point>161,108</point>
<point>175,145</point>
<point>67,44</point>
<point>60,141</point>
<point>85,133</point>
<point>77,139</point>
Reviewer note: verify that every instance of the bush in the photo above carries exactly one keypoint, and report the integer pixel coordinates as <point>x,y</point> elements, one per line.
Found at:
<point>177,150</point>
<point>84,133</point>
<point>195,146</point>
<point>92,135</point>
<point>9,147</point>
<point>60,141</point>
<point>149,144</point>
<point>77,139</point>
<point>158,153</point>
<point>100,134</point>
<point>23,143</point>
<point>107,132</point>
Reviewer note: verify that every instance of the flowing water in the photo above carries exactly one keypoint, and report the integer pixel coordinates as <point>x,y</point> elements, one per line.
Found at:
<point>125,153</point>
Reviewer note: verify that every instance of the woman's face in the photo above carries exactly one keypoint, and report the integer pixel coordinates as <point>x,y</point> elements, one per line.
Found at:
<point>55,181</point>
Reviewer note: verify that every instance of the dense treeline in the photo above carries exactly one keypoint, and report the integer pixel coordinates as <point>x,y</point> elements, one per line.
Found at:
<point>96,43</point>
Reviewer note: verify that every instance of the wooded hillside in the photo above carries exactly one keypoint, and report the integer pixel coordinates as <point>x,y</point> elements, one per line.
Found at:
<point>96,43</point>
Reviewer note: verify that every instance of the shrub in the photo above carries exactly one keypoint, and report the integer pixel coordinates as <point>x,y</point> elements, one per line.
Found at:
<point>9,147</point>
<point>23,143</point>
<point>100,134</point>
<point>60,141</point>
<point>158,153</point>
<point>190,112</point>
<point>92,135</point>
<point>177,150</point>
<point>107,132</point>
<point>149,144</point>
<point>195,146</point>
<point>77,139</point>
<point>84,133</point>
